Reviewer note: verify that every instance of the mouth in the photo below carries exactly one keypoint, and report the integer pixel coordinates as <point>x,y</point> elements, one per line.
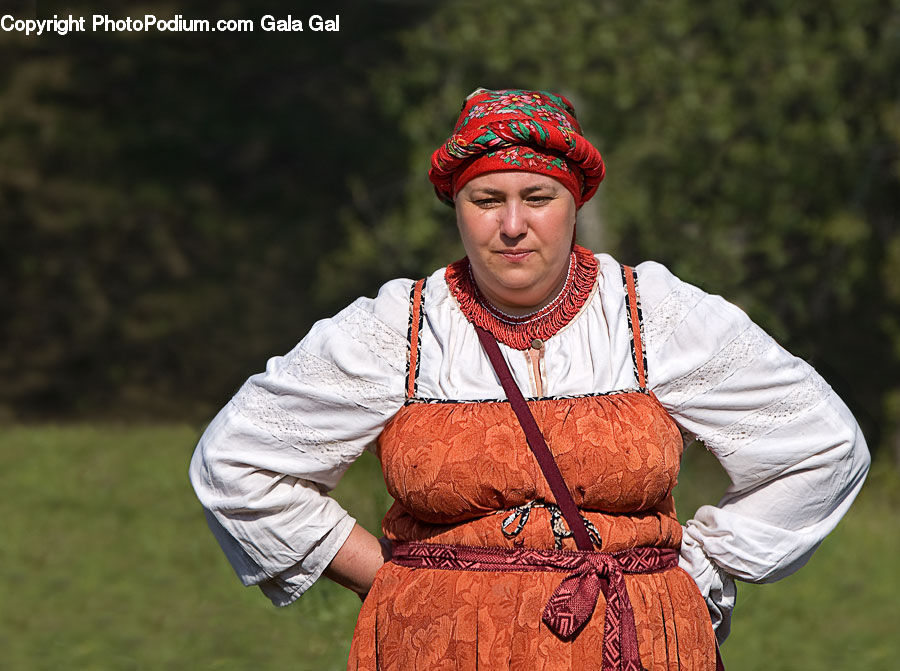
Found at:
<point>514,255</point>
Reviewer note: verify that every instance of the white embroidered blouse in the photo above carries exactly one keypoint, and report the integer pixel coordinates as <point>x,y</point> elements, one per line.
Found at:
<point>793,451</point>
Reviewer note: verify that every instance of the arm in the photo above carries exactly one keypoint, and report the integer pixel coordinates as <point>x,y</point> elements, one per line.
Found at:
<point>355,564</point>
<point>264,466</point>
<point>792,449</point>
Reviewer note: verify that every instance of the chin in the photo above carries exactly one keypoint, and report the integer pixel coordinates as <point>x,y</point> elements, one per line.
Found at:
<point>520,296</point>
<point>519,274</point>
<point>517,285</point>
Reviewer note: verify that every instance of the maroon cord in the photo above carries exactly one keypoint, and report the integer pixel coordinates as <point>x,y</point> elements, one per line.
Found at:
<point>542,453</point>
<point>537,443</point>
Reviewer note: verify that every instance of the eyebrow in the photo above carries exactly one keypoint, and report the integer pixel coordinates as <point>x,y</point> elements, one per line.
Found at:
<point>540,187</point>
<point>499,192</point>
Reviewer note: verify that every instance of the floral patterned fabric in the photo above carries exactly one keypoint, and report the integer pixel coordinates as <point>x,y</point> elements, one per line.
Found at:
<point>512,129</point>
<point>462,474</point>
<point>455,470</point>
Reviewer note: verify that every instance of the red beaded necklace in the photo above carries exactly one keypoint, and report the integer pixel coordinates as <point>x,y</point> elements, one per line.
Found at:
<point>519,331</point>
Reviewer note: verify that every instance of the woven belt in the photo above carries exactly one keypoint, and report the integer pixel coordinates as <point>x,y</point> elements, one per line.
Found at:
<point>572,603</point>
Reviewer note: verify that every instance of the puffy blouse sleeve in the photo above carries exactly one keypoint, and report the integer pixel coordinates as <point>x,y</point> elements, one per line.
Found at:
<point>263,466</point>
<point>793,451</point>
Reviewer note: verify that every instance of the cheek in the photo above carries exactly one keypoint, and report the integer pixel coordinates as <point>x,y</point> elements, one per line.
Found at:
<point>474,231</point>
<point>558,231</point>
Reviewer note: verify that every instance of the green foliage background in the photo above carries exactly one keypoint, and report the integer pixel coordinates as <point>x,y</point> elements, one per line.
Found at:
<point>176,207</point>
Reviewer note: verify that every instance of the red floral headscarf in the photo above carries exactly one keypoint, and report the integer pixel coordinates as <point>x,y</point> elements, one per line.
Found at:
<point>512,129</point>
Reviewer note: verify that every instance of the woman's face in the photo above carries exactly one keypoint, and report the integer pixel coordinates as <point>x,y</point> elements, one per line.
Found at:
<point>517,230</point>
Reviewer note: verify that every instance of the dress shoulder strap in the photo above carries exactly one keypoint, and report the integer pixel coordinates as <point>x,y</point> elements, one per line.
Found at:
<point>416,300</point>
<point>635,325</point>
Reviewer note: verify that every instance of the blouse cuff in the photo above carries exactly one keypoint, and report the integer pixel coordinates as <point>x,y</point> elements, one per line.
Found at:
<point>716,586</point>
<point>287,587</point>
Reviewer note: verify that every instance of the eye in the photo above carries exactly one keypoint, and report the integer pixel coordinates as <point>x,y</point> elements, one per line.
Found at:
<point>539,199</point>
<point>486,202</point>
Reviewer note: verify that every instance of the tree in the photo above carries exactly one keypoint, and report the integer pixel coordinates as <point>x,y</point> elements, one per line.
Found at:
<point>165,198</point>
<point>751,147</point>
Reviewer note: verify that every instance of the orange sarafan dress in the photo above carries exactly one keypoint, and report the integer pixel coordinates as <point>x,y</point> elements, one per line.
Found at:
<point>461,473</point>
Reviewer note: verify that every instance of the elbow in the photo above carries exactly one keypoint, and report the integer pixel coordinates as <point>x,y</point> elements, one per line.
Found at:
<point>207,470</point>
<point>851,466</point>
<point>850,456</point>
<point>855,455</point>
<point>860,457</point>
<point>198,471</point>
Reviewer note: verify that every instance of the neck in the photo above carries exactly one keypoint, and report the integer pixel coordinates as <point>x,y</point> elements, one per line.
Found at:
<point>504,308</point>
<point>514,329</point>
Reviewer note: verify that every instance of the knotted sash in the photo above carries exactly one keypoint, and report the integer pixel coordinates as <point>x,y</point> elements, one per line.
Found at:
<point>572,603</point>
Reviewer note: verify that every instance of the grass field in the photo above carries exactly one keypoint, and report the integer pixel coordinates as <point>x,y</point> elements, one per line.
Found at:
<point>106,563</point>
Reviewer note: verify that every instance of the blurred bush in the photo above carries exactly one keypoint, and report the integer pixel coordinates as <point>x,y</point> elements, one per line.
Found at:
<point>175,208</point>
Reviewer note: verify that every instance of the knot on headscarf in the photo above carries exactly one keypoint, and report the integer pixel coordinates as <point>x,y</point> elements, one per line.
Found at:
<point>513,129</point>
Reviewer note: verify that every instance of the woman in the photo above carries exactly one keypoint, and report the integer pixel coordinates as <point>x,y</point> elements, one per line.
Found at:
<point>486,562</point>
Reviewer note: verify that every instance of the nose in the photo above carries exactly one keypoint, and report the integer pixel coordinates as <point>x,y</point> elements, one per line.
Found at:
<point>513,219</point>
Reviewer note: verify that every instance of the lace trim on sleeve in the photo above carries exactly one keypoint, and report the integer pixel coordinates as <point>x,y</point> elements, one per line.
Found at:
<point>740,353</point>
<point>278,413</point>
<point>804,396</point>
<point>385,343</point>
<point>309,369</point>
<point>670,312</point>
<point>263,409</point>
